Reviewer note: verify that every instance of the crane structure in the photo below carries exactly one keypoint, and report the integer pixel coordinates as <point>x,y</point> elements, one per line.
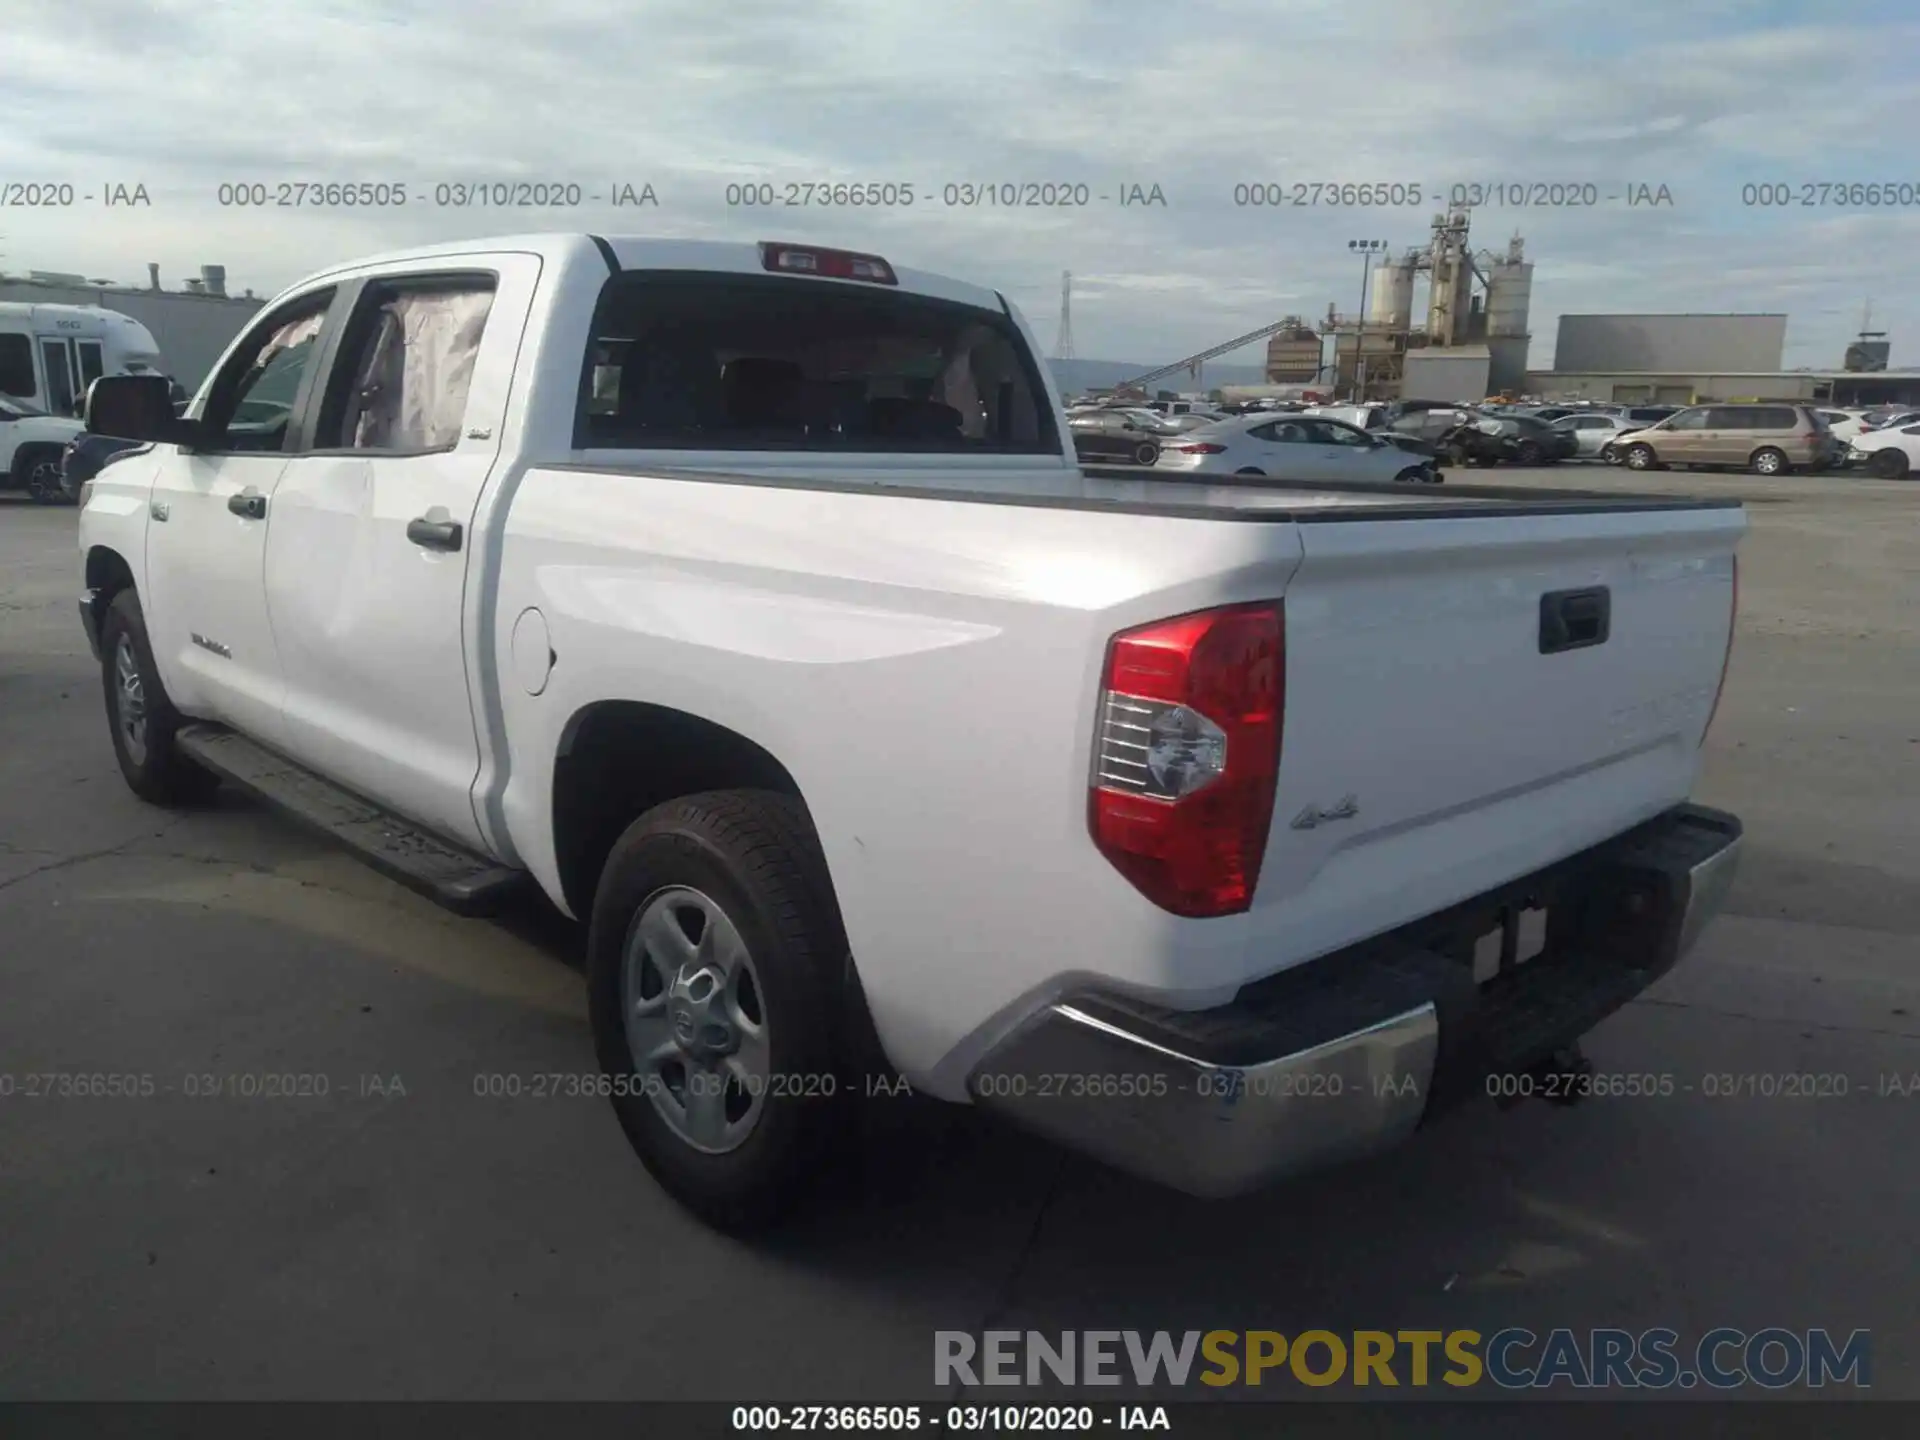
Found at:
<point>1192,363</point>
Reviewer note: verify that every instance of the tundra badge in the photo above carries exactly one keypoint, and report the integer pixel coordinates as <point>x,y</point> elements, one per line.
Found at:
<point>1312,816</point>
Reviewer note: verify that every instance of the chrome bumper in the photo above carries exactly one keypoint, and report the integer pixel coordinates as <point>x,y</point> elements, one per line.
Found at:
<point>1349,1054</point>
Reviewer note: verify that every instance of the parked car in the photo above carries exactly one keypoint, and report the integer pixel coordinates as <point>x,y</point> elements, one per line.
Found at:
<point>30,444</point>
<point>82,459</point>
<point>1110,436</point>
<point>1593,434</point>
<point>1888,420</point>
<point>1845,424</point>
<point>896,746</point>
<point>1539,442</point>
<point>1291,447</point>
<point>1766,439</point>
<point>1892,453</point>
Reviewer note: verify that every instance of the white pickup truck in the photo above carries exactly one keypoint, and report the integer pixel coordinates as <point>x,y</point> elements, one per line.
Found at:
<point>748,600</point>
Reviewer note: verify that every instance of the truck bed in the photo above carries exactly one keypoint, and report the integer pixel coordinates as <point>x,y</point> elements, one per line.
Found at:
<point>1125,490</point>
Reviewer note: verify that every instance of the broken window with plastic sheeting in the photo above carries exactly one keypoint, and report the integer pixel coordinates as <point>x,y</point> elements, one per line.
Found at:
<point>413,370</point>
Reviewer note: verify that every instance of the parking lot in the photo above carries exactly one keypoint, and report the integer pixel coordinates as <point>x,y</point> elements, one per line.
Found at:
<point>401,1236</point>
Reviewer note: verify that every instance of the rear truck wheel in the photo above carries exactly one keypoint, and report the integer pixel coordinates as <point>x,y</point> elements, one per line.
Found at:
<point>141,718</point>
<point>716,975</point>
<point>1888,464</point>
<point>36,469</point>
<point>1768,461</point>
<point>1145,453</point>
<point>1412,475</point>
<point>1640,457</point>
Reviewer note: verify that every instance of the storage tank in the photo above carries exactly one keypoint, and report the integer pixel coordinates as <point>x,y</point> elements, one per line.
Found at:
<point>1293,355</point>
<point>1509,298</point>
<point>213,279</point>
<point>1391,304</point>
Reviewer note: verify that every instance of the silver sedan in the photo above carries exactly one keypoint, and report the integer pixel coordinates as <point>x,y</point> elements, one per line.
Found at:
<point>1289,447</point>
<point>1593,433</point>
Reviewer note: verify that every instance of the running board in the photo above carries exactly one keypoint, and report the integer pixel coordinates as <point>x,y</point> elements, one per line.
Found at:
<point>463,882</point>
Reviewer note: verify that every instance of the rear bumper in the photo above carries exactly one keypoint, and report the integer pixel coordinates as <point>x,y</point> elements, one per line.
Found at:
<point>1351,1053</point>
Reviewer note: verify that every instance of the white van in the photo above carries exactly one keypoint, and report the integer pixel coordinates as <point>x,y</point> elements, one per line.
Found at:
<point>49,354</point>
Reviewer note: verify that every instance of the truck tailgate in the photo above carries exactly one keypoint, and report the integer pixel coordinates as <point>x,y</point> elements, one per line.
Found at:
<point>1442,738</point>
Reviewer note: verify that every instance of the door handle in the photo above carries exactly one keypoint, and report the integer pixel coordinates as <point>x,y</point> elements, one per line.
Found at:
<point>1574,619</point>
<point>434,534</point>
<point>249,504</point>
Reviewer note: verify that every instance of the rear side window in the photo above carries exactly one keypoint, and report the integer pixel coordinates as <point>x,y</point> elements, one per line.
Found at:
<point>16,366</point>
<point>405,365</point>
<point>1752,417</point>
<point>683,361</point>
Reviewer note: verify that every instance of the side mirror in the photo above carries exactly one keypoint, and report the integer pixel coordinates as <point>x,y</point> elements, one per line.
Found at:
<point>136,407</point>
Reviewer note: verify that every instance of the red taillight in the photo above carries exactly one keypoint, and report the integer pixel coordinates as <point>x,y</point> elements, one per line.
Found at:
<point>1187,755</point>
<point>1201,449</point>
<point>1726,661</point>
<point>832,264</point>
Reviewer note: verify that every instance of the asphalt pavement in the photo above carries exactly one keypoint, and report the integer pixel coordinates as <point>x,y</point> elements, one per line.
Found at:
<point>389,1230</point>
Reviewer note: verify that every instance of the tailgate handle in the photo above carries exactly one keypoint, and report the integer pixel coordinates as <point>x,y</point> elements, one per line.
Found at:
<point>1574,619</point>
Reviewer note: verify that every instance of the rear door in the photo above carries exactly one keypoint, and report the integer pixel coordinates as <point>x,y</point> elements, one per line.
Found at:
<point>1729,436</point>
<point>1439,738</point>
<point>368,549</point>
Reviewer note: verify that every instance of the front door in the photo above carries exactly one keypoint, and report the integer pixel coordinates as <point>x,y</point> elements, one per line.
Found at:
<point>1682,439</point>
<point>56,359</point>
<point>204,600</point>
<point>89,362</point>
<point>371,535</point>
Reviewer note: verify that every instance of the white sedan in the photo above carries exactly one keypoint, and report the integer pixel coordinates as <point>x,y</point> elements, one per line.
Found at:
<point>1290,447</point>
<point>1892,453</point>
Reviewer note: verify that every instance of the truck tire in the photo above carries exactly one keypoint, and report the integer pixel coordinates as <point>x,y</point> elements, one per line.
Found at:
<point>1146,453</point>
<point>1768,461</point>
<point>36,469</point>
<point>1641,457</point>
<point>140,717</point>
<point>716,981</point>
<point>1888,464</point>
<point>1413,475</point>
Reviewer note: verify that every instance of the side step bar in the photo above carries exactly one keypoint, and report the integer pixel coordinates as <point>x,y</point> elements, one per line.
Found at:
<point>463,882</point>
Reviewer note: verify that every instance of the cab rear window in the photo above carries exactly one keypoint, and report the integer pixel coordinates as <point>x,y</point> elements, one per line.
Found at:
<point>681,361</point>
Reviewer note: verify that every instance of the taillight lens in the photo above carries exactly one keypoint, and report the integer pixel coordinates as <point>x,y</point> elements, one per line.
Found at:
<point>1726,661</point>
<point>1201,449</point>
<point>1188,753</point>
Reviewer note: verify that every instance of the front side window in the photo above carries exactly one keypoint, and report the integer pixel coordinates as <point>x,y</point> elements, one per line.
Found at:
<point>252,404</point>
<point>16,366</point>
<point>765,362</point>
<point>405,368</point>
<point>1688,420</point>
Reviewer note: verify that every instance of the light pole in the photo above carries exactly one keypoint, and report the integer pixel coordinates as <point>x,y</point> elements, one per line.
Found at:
<point>1366,249</point>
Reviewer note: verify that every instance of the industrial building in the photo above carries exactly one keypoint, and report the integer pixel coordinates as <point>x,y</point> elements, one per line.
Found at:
<point>1688,359</point>
<point>1474,337</point>
<point>193,325</point>
<point>1676,344</point>
<point>1825,387</point>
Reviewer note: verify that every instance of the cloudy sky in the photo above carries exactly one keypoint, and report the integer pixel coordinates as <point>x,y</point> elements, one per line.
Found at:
<point>1705,98</point>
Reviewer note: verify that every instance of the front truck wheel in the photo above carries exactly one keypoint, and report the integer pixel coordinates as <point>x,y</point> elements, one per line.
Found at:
<point>716,976</point>
<point>141,719</point>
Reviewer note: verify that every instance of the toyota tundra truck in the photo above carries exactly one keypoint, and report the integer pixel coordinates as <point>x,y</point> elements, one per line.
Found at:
<point>747,601</point>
